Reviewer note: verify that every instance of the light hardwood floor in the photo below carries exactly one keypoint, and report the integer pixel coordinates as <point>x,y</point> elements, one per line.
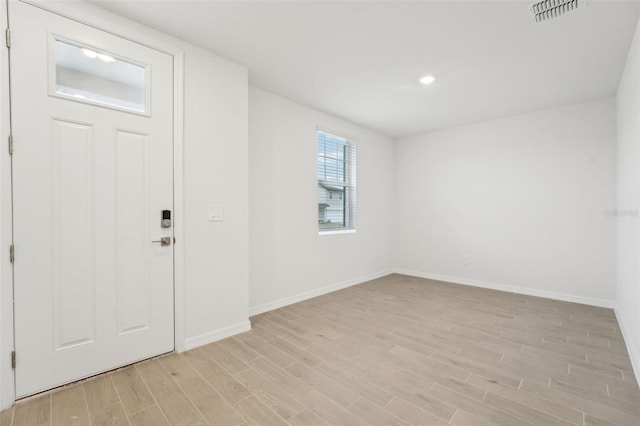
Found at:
<point>393,351</point>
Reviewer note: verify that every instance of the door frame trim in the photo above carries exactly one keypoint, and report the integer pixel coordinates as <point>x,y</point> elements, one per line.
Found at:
<point>105,21</point>
<point>7,383</point>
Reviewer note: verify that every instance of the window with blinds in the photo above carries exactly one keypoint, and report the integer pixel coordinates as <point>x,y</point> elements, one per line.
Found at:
<point>336,183</point>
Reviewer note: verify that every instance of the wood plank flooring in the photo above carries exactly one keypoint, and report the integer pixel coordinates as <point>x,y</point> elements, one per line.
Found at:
<point>394,351</point>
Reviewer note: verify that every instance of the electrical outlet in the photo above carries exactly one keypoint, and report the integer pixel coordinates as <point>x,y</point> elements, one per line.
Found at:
<point>465,259</point>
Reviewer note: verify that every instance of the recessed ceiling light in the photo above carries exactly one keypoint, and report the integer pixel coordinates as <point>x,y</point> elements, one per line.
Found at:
<point>427,79</point>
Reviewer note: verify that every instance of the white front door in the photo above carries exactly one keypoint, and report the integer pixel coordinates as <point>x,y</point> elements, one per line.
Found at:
<point>92,117</point>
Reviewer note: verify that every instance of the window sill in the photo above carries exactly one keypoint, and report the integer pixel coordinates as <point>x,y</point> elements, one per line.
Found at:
<point>341,231</point>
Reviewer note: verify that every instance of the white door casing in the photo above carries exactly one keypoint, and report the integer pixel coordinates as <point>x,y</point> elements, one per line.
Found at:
<point>92,292</point>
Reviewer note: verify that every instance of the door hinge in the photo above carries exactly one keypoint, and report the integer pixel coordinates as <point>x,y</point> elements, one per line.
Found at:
<point>11,144</point>
<point>12,253</point>
<point>13,359</point>
<point>7,36</point>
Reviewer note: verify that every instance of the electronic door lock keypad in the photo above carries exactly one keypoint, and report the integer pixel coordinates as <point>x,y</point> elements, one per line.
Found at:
<point>166,219</point>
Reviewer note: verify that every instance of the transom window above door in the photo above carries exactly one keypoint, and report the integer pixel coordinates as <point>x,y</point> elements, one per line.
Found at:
<point>86,74</point>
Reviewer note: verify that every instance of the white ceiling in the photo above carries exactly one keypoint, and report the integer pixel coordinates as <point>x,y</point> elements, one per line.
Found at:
<point>361,60</point>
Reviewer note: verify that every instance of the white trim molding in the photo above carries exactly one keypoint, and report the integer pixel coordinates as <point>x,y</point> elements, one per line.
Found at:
<point>285,301</point>
<point>510,288</point>
<point>632,350</point>
<point>179,308</point>
<point>215,335</point>
<point>7,377</point>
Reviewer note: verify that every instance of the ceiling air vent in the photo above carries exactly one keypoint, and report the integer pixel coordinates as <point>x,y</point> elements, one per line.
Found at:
<point>546,10</point>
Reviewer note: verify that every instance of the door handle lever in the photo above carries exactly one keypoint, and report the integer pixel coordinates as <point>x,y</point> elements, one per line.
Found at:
<point>164,241</point>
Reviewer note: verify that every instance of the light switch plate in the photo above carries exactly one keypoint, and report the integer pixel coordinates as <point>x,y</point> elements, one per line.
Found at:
<point>216,213</point>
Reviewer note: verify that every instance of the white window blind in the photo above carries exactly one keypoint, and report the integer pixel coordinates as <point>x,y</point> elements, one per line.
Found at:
<point>336,183</point>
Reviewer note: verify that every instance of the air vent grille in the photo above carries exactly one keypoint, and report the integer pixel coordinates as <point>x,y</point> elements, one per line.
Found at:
<point>549,9</point>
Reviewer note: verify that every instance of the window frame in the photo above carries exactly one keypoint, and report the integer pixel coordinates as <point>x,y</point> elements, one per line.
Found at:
<point>52,76</point>
<point>349,184</point>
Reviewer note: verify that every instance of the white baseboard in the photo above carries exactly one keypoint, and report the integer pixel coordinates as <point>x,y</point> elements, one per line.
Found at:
<point>634,355</point>
<point>510,288</point>
<point>215,335</point>
<point>315,293</point>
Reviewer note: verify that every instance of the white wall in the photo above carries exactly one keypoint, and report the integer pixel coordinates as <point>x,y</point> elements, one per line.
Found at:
<point>628,254</point>
<point>288,259</point>
<point>212,294</point>
<point>523,197</point>
<point>215,163</point>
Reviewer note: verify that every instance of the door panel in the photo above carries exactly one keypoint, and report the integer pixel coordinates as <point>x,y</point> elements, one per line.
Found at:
<point>72,234</point>
<point>92,171</point>
<point>133,276</point>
